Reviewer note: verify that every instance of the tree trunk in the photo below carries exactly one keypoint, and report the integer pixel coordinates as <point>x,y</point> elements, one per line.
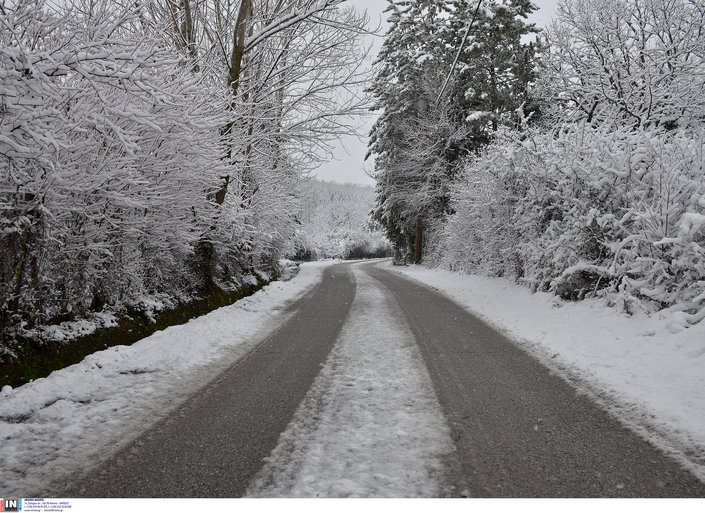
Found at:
<point>188,34</point>
<point>239,37</point>
<point>205,252</point>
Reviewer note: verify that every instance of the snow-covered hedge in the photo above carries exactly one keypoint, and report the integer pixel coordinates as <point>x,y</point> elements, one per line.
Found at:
<point>110,153</point>
<point>139,161</point>
<point>604,193</point>
<point>583,212</point>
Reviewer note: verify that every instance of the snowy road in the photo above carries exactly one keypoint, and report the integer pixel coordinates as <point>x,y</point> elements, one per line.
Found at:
<point>215,442</point>
<point>519,430</point>
<point>372,385</point>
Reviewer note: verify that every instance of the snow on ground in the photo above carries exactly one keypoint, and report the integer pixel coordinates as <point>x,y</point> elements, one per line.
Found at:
<point>636,367</point>
<point>371,425</point>
<point>55,427</point>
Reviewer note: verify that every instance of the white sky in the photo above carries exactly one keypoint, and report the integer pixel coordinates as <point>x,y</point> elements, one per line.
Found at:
<point>348,164</point>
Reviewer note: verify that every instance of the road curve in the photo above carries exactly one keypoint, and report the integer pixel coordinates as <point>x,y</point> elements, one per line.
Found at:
<point>216,441</point>
<point>519,430</point>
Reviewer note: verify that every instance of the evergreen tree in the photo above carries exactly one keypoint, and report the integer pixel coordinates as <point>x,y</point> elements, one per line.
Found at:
<point>497,64</point>
<point>450,72</point>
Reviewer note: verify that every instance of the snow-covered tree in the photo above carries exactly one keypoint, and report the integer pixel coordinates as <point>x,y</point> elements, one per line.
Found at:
<point>334,222</point>
<point>293,68</point>
<point>603,197</point>
<point>630,62</point>
<point>448,75</point>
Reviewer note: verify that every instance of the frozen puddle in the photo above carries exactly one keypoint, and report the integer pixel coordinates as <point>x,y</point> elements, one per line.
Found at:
<point>371,425</point>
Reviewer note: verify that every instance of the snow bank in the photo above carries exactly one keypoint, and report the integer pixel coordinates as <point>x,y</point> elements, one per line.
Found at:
<point>651,378</point>
<point>371,425</point>
<point>75,418</point>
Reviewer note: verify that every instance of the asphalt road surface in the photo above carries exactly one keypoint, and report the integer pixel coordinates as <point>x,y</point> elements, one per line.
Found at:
<point>215,442</point>
<point>518,430</point>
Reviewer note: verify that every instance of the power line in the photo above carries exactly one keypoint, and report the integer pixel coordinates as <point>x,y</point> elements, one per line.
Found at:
<point>460,49</point>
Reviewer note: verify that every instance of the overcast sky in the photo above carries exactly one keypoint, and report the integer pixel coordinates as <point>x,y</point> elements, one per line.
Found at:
<point>349,165</point>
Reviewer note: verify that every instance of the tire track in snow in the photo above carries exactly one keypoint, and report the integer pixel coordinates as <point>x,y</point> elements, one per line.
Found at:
<point>371,425</point>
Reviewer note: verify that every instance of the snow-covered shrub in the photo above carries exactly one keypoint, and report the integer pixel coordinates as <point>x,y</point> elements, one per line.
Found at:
<point>583,211</point>
<point>109,154</point>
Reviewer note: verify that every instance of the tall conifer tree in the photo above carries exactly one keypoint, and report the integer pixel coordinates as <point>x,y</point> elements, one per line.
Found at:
<point>441,96</point>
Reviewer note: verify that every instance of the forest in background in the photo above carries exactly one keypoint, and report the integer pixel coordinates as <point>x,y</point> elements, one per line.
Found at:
<point>570,159</point>
<point>337,224</point>
<point>156,151</point>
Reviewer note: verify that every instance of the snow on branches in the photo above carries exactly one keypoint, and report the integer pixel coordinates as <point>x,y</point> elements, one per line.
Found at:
<point>108,147</point>
<point>629,62</point>
<point>588,211</point>
<point>602,193</point>
<point>156,148</point>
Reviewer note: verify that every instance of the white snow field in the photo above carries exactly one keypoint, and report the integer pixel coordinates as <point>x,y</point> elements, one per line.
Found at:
<point>644,369</point>
<point>371,425</point>
<point>76,417</point>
